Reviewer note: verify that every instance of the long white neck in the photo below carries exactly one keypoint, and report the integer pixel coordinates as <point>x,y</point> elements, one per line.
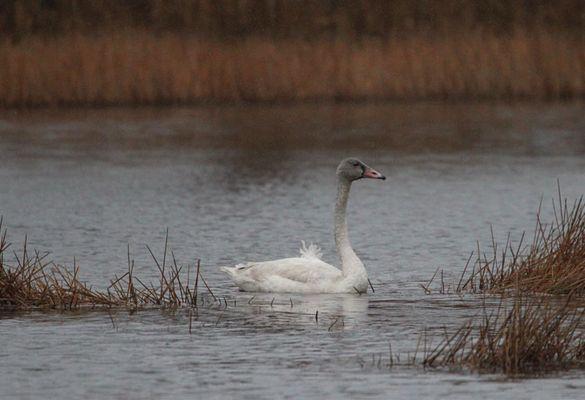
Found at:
<point>350,263</point>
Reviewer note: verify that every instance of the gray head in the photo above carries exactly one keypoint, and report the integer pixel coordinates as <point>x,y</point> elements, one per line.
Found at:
<point>353,169</point>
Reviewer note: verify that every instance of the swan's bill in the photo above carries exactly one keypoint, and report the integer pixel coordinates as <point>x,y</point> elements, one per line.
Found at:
<point>373,174</point>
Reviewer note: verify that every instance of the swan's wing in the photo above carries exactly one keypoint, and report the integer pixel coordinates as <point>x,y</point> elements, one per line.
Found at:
<point>298,269</point>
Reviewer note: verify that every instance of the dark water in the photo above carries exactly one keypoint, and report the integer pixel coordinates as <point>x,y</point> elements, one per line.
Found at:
<point>248,183</point>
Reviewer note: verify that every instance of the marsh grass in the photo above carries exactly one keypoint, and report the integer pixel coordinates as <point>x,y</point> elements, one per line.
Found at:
<point>107,52</point>
<point>538,325</point>
<point>515,335</point>
<point>278,18</point>
<point>524,335</point>
<point>553,263</point>
<point>136,67</point>
<point>32,282</point>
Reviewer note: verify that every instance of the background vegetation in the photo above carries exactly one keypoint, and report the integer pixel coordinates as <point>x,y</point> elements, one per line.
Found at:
<point>105,52</point>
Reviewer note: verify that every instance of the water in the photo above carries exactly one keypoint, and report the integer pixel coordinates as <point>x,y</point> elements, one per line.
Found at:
<point>248,183</point>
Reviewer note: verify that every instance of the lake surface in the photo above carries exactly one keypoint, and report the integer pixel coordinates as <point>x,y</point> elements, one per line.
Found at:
<point>249,183</point>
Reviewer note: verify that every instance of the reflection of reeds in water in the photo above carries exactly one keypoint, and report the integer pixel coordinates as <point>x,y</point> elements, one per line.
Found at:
<point>532,335</point>
<point>554,263</point>
<point>143,68</point>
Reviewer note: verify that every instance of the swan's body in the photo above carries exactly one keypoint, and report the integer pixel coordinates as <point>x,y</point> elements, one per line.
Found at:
<point>308,273</point>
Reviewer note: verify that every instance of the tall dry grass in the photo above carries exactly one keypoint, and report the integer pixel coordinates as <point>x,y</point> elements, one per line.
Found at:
<point>553,263</point>
<point>285,18</point>
<point>143,68</point>
<point>538,326</point>
<point>33,282</point>
<point>525,335</point>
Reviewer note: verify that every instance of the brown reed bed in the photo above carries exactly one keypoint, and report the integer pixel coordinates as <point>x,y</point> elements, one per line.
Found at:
<point>136,67</point>
<point>32,282</point>
<point>553,263</point>
<point>524,335</point>
<point>513,335</point>
<point>539,323</point>
<point>279,18</point>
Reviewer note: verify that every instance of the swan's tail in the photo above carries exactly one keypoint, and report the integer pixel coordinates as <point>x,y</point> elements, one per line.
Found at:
<point>310,251</point>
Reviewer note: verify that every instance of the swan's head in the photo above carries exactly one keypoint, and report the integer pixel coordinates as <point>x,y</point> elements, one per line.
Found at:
<point>353,169</point>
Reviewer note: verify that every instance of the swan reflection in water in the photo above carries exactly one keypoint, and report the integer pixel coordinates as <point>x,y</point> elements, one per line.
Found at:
<point>286,312</point>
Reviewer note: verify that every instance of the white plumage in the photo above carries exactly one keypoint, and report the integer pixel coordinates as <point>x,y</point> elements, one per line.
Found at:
<point>304,274</point>
<point>308,273</point>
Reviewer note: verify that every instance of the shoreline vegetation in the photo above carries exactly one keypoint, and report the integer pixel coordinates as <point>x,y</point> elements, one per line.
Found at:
<point>34,283</point>
<point>552,264</point>
<point>75,53</point>
<point>538,324</point>
<point>522,336</point>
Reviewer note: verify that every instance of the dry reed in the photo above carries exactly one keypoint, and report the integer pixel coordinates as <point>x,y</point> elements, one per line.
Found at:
<point>107,52</point>
<point>32,282</point>
<point>554,263</point>
<point>136,68</point>
<point>530,335</point>
<point>285,18</point>
<point>525,334</point>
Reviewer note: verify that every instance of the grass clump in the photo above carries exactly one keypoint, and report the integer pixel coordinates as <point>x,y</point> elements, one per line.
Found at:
<point>553,263</point>
<point>32,282</point>
<point>538,325</point>
<point>526,336</point>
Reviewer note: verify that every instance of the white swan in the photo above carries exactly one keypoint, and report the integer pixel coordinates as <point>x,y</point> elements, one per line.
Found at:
<point>308,273</point>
